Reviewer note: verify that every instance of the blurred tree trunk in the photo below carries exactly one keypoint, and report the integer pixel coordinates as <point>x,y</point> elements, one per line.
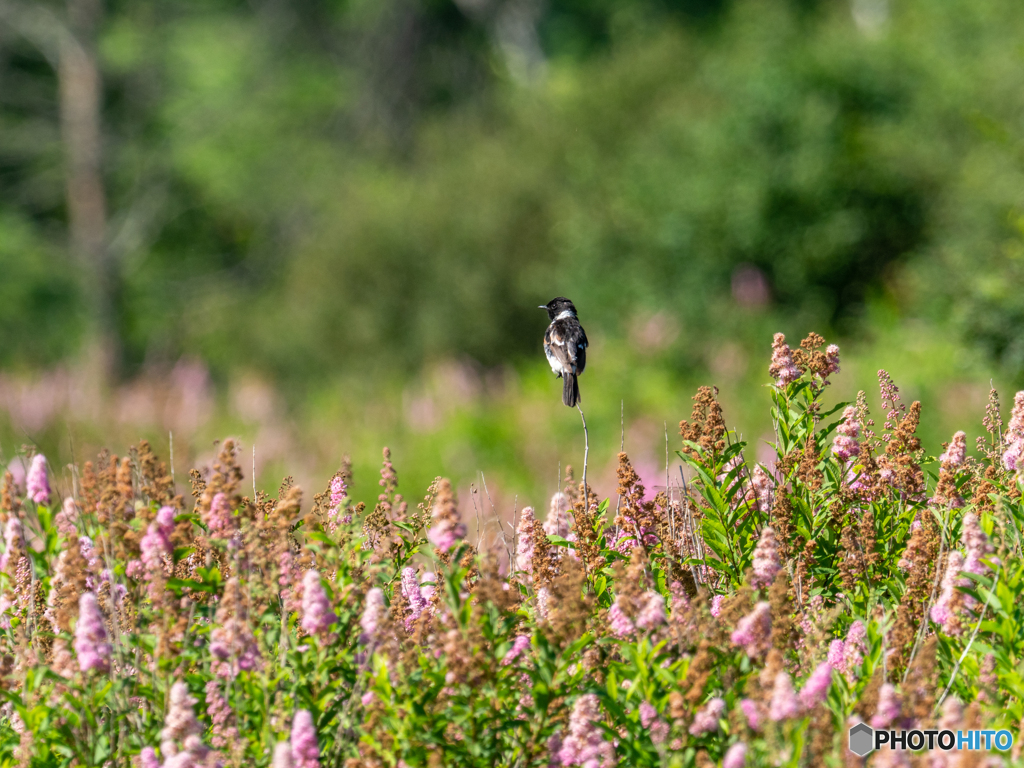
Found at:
<point>81,92</point>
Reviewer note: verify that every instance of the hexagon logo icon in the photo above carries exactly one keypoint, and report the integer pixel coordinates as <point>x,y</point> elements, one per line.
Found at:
<point>862,739</point>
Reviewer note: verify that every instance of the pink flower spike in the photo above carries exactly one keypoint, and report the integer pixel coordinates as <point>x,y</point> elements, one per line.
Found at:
<point>520,644</point>
<point>855,647</point>
<point>706,719</point>
<point>305,751</point>
<point>67,519</point>
<point>736,757</point>
<point>761,483</point>
<point>282,755</point>
<point>1014,437</point>
<point>888,711</point>
<point>585,743</point>
<point>619,622</point>
<point>338,491</point>
<point>91,644</point>
<point>956,453</point>
<point>652,614</point>
<point>942,610</point>
<point>37,483</point>
<point>446,527</point>
<point>524,543</point>
<point>845,445</point>
<point>754,631</point>
<point>148,758</point>
<point>836,655</point>
<point>784,703</point>
<point>373,612</point>
<point>647,714</point>
<point>716,605</point>
<point>831,360</point>
<point>317,615</point>
<point>413,596</point>
<point>815,690</point>
<point>180,724</point>
<point>782,367</point>
<point>752,712</point>
<point>766,559</point>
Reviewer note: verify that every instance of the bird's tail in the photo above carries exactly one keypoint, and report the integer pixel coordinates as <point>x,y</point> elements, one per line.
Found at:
<point>570,390</point>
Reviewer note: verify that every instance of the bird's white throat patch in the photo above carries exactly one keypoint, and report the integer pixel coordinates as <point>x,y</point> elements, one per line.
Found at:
<point>564,314</point>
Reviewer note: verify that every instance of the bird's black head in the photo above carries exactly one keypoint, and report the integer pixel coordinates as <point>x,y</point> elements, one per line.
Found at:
<point>557,306</point>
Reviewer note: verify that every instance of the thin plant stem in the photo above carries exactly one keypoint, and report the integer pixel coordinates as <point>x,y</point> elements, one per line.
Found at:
<point>586,455</point>
<point>970,642</point>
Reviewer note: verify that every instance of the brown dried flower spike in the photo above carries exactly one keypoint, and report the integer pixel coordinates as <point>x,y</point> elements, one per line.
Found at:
<point>707,424</point>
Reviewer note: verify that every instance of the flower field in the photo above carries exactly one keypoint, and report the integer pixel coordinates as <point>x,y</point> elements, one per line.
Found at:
<point>749,619</point>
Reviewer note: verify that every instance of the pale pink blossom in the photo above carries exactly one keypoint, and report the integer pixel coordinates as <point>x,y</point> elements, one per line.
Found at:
<point>338,491</point>
<point>558,520</point>
<point>837,655</point>
<point>784,703</point>
<point>888,711</point>
<point>373,612</point>
<point>647,714</point>
<point>1014,437</point>
<point>652,612</point>
<point>736,757</point>
<point>282,755</point>
<point>305,750</point>
<point>413,596</point>
<point>831,361</point>
<point>585,744</point>
<point>855,647</point>
<point>752,712</point>
<point>91,644</point>
<point>317,615</point>
<point>525,543</point>
<point>976,543</point>
<point>37,484</point>
<point>222,732</point>
<point>956,453</point>
<point>180,722</point>
<point>156,549</point>
<point>716,605</point>
<point>220,520</point>
<point>446,529</point>
<point>67,519</point>
<point>766,559</point>
<point>782,367</point>
<point>845,445</point>
<point>520,644</point>
<point>761,482</point>
<point>942,610</point>
<point>706,719</point>
<point>815,690</point>
<point>14,543</point>
<point>754,631</point>
<point>148,758</point>
<point>619,622</point>
<point>650,721</point>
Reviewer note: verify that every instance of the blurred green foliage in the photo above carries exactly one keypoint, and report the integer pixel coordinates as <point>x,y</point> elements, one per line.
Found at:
<point>320,188</point>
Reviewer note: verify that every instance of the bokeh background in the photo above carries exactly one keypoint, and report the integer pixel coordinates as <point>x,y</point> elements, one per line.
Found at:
<point>324,226</point>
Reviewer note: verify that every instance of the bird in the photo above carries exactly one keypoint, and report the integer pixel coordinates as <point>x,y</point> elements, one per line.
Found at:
<point>565,346</point>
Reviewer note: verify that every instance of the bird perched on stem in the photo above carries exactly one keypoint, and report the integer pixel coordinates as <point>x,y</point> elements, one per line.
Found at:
<point>565,345</point>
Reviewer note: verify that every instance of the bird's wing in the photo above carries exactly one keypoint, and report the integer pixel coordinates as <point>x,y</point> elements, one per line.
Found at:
<point>554,341</point>
<point>581,351</point>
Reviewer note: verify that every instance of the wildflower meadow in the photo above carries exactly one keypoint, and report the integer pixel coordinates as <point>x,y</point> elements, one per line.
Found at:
<point>748,615</point>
